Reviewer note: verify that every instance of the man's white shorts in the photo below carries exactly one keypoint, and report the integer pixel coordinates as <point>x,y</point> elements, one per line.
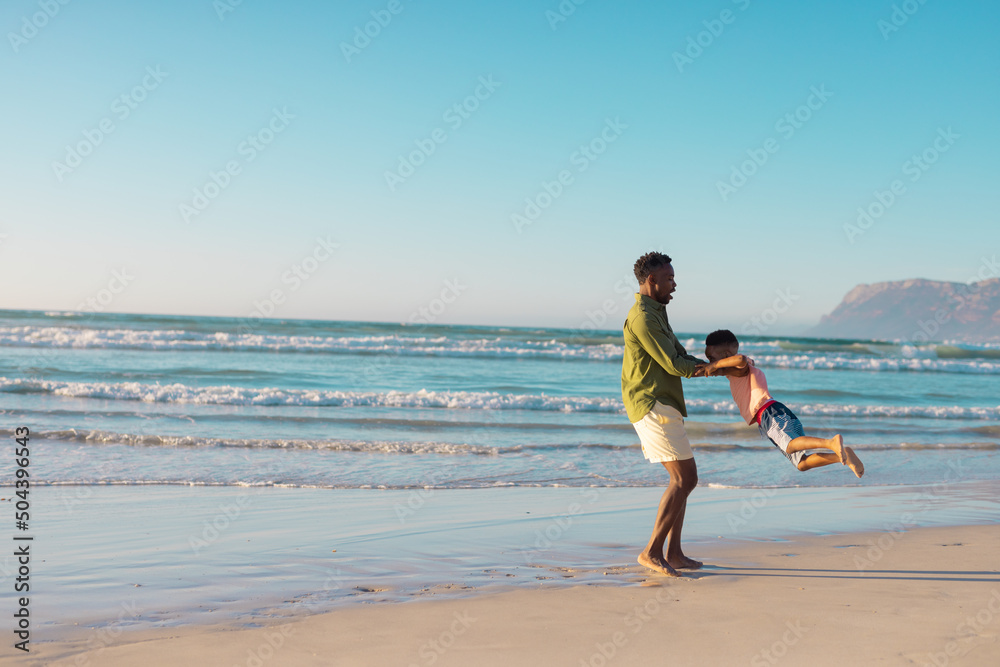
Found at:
<point>662,435</point>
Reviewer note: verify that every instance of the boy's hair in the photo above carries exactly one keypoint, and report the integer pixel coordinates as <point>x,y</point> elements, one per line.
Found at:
<point>721,337</point>
<point>649,263</point>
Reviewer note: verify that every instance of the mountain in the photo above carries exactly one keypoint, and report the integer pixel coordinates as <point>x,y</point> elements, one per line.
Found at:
<point>917,311</point>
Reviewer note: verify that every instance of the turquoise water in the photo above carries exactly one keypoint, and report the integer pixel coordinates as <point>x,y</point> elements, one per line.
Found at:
<point>139,399</point>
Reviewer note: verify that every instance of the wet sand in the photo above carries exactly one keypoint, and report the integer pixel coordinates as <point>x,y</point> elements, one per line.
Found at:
<point>548,575</point>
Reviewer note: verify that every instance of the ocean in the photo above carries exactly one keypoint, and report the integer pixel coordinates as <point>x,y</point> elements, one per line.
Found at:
<point>117,399</point>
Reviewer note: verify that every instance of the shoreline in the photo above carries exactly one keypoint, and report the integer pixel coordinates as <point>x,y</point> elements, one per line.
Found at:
<point>930,596</point>
<point>202,555</point>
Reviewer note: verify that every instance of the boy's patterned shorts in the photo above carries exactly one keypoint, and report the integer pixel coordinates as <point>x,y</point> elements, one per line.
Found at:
<point>780,425</point>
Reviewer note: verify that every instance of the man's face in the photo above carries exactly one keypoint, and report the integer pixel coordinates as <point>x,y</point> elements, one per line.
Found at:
<point>662,284</point>
<point>717,352</point>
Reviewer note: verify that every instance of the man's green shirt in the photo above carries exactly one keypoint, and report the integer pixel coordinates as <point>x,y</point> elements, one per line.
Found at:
<point>654,361</point>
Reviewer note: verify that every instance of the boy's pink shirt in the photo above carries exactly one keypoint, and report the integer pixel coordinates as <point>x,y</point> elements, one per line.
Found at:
<point>750,392</point>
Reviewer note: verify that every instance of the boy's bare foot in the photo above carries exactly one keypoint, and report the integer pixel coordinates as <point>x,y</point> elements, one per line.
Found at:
<point>685,563</point>
<point>657,564</point>
<point>837,445</point>
<point>854,463</point>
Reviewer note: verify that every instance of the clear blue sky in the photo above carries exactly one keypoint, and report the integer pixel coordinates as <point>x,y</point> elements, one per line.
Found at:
<point>678,129</point>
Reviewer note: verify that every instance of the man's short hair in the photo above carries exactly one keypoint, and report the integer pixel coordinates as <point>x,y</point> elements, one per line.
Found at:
<point>649,263</point>
<point>721,337</point>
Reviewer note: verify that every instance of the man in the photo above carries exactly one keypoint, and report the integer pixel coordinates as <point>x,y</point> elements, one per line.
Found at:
<point>652,368</point>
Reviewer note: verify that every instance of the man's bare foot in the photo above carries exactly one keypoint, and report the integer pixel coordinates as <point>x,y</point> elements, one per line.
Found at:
<point>657,564</point>
<point>836,443</point>
<point>684,563</point>
<point>854,463</point>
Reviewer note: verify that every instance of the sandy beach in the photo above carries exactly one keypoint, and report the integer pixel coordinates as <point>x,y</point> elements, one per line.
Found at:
<point>932,597</point>
<point>476,581</point>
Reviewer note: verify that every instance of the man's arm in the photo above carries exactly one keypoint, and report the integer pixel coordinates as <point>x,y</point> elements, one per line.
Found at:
<point>662,349</point>
<point>737,365</point>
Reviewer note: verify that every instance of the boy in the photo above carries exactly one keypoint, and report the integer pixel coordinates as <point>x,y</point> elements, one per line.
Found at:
<point>774,420</point>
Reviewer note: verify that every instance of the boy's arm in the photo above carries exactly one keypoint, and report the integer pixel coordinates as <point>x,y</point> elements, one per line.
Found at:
<point>737,365</point>
<point>663,351</point>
